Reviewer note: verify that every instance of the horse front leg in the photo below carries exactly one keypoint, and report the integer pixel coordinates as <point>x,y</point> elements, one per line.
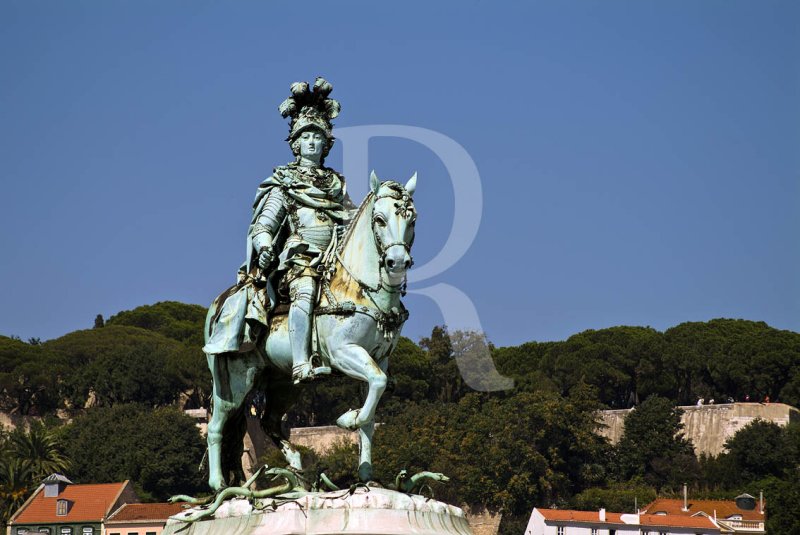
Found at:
<point>365,434</point>
<point>354,361</point>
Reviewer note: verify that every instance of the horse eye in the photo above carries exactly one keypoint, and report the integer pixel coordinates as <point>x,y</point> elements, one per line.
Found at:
<point>380,221</point>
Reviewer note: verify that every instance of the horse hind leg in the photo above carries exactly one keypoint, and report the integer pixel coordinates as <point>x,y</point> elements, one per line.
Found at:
<point>233,378</point>
<point>280,398</point>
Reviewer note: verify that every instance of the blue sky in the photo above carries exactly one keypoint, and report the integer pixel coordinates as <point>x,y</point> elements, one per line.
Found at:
<point>639,161</point>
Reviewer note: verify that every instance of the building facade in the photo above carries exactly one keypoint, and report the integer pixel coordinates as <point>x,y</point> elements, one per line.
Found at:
<point>59,507</point>
<point>568,522</point>
<point>743,515</point>
<point>141,518</point>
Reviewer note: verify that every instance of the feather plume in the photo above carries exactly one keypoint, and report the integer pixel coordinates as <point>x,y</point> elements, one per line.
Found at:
<point>322,87</point>
<point>299,88</point>
<point>288,107</point>
<point>332,108</point>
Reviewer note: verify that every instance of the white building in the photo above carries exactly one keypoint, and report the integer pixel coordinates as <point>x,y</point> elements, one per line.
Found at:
<point>743,515</point>
<point>567,522</point>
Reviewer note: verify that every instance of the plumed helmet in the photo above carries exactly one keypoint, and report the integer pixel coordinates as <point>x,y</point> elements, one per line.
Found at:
<point>310,107</point>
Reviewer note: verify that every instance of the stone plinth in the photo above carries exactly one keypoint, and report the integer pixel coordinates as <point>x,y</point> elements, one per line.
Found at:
<point>365,512</point>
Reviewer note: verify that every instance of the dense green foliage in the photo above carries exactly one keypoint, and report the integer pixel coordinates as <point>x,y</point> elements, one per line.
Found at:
<point>653,447</point>
<point>534,445</point>
<point>719,359</point>
<point>149,355</point>
<point>26,457</point>
<point>158,450</point>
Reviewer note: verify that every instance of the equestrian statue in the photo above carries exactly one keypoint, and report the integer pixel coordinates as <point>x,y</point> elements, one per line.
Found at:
<point>319,291</point>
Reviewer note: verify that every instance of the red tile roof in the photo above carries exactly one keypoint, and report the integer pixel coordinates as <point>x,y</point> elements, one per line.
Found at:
<point>87,503</point>
<point>142,512</point>
<point>579,516</point>
<point>593,517</point>
<point>677,521</point>
<point>724,508</point>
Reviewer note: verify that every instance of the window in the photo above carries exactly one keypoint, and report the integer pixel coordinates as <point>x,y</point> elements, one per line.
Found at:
<point>560,530</point>
<point>22,531</point>
<point>87,530</point>
<point>150,533</point>
<point>61,507</point>
<point>66,530</point>
<point>45,531</point>
<point>594,531</point>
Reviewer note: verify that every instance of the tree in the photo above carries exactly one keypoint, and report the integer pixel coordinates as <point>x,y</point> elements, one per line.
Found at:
<point>16,484</point>
<point>158,450</point>
<point>26,457</point>
<point>653,447</point>
<point>446,383</point>
<point>611,360</point>
<point>758,450</point>
<point>619,497</point>
<point>183,323</point>
<point>40,449</point>
<point>501,452</point>
<point>174,320</point>
<point>726,357</point>
<point>29,378</point>
<point>118,364</point>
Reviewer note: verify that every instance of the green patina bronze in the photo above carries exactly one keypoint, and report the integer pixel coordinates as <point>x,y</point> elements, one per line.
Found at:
<point>319,291</point>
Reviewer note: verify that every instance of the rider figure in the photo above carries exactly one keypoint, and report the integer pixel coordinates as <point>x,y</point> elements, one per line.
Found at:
<point>296,215</point>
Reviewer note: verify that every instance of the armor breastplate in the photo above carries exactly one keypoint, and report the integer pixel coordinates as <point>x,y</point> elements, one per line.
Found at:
<point>313,226</point>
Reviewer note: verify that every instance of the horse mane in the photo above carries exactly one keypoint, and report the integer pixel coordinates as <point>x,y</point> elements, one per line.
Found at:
<point>354,249</point>
<point>368,201</point>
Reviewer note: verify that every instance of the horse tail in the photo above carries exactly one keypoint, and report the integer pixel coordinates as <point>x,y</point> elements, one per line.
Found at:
<point>212,313</point>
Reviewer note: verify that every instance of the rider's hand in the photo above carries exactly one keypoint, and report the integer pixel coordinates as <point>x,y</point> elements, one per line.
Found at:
<point>265,257</point>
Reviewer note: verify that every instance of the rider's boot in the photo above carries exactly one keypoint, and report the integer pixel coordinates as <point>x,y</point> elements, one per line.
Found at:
<point>302,294</point>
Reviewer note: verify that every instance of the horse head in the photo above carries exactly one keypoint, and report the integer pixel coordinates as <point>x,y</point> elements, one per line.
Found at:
<point>393,219</point>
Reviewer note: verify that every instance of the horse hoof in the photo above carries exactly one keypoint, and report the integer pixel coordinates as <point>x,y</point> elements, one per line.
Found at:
<point>348,420</point>
<point>365,473</point>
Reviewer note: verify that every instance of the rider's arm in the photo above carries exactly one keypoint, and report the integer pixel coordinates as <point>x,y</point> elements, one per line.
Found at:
<point>269,219</point>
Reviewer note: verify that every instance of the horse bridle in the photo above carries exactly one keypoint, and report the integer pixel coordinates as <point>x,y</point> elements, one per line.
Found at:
<point>403,206</point>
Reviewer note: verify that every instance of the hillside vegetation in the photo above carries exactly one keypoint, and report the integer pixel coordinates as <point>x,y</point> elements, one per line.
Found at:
<point>122,383</point>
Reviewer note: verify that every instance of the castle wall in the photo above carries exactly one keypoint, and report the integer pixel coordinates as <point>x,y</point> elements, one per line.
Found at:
<point>709,426</point>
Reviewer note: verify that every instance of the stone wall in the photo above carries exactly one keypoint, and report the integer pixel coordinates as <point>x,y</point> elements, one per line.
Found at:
<point>9,422</point>
<point>709,426</point>
<point>321,439</point>
<point>483,521</point>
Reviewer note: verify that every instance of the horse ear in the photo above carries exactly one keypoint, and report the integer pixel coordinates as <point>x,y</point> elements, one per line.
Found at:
<point>374,182</point>
<point>411,185</point>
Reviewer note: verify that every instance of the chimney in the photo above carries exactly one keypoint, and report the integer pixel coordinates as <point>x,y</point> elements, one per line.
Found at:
<point>685,498</point>
<point>602,514</point>
<point>761,502</point>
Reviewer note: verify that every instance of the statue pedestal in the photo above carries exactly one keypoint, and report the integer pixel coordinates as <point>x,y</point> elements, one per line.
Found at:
<point>365,512</point>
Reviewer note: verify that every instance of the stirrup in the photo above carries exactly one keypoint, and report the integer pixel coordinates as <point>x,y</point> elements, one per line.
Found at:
<point>304,372</point>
